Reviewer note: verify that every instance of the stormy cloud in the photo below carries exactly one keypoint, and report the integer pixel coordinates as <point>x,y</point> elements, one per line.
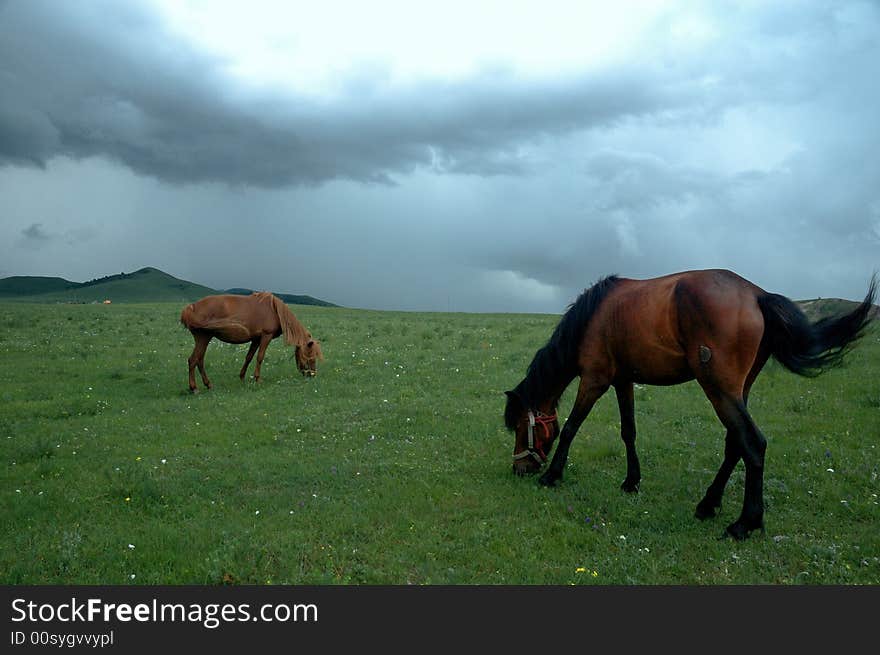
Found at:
<point>146,99</point>
<point>733,135</point>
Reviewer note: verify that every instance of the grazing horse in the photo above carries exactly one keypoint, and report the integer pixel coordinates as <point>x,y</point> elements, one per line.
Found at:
<point>257,318</point>
<point>712,326</point>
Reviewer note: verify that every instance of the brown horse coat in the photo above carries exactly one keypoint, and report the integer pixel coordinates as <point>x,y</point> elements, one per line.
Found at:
<point>257,319</point>
<point>712,326</point>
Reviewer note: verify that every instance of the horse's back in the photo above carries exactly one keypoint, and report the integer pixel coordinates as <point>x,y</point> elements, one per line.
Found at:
<point>651,330</point>
<point>710,292</point>
<point>212,307</point>
<point>231,317</point>
<point>717,301</point>
<point>633,335</point>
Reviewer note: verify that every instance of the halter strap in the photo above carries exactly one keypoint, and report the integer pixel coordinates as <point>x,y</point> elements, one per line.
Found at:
<point>544,420</point>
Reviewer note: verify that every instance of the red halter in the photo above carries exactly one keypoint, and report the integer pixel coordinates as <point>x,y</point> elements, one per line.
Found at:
<point>545,421</point>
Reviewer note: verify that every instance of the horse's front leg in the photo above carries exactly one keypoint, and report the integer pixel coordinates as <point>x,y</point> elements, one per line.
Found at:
<point>247,358</point>
<point>626,405</point>
<point>264,343</point>
<point>588,394</point>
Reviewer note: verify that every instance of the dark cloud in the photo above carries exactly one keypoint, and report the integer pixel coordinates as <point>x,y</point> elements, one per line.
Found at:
<point>35,232</point>
<point>738,135</point>
<point>34,237</point>
<point>107,79</point>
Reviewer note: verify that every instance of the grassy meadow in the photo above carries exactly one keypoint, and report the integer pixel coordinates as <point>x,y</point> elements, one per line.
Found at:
<point>392,466</point>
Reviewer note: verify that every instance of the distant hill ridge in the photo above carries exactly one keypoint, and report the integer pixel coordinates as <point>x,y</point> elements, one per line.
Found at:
<point>152,285</point>
<point>286,297</point>
<point>144,285</point>
<point>819,308</point>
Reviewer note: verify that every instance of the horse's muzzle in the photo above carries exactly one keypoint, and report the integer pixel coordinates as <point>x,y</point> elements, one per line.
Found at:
<point>523,467</point>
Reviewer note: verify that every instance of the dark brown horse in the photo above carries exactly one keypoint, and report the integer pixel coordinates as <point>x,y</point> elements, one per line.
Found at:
<point>257,318</point>
<point>712,326</point>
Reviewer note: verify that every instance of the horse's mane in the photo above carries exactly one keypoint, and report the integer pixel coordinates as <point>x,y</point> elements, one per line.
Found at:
<point>295,334</point>
<point>557,360</point>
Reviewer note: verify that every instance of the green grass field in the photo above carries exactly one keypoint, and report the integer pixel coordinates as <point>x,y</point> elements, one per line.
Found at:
<point>393,466</point>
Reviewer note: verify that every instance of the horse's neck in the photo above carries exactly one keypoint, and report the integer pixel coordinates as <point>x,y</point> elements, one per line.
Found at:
<point>547,397</point>
<point>548,405</point>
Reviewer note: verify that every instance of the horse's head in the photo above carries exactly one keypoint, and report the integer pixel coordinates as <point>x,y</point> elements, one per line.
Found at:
<point>307,356</point>
<point>534,431</point>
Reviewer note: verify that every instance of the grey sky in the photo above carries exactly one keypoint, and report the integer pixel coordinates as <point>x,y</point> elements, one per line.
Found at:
<point>429,168</point>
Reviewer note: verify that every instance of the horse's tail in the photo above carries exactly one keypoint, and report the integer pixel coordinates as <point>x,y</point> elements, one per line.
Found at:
<point>809,348</point>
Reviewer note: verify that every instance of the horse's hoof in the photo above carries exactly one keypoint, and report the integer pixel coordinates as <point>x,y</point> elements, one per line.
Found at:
<point>193,390</point>
<point>706,510</point>
<point>629,486</point>
<point>740,531</point>
<point>549,480</point>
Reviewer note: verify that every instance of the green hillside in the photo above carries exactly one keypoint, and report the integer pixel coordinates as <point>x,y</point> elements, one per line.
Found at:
<point>25,285</point>
<point>145,285</point>
<point>289,298</point>
<point>820,308</point>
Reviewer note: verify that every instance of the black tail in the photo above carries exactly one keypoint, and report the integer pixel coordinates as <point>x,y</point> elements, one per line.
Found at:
<point>809,348</point>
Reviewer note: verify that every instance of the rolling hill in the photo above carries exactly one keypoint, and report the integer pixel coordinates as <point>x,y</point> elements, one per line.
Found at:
<point>286,297</point>
<point>24,285</point>
<point>144,285</point>
<point>152,285</point>
<point>820,308</point>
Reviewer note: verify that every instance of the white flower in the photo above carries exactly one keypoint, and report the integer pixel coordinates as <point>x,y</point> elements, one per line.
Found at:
<point>131,546</point>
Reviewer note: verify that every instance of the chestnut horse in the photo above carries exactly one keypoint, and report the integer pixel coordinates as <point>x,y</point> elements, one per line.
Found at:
<point>257,318</point>
<point>712,326</point>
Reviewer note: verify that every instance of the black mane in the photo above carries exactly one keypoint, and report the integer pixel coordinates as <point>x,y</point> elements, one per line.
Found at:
<point>557,360</point>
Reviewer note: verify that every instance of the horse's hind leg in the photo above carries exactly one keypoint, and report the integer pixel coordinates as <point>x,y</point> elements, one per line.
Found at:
<point>192,361</point>
<point>752,446</point>
<point>202,370</point>
<point>247,358</point>
<point>197,358</point>
<point>711,502</point>
<point>628,433</point>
